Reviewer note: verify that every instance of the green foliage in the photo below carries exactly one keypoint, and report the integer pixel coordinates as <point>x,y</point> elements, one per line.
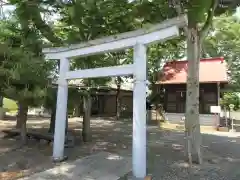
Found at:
<point>84,20</point>
<point>224,41</point>
<point>159,54</point>
<point>196,10</point>
<point>50,99</point>
<point>29,14</point>
<point>230,98</point>
<point>23,71</point>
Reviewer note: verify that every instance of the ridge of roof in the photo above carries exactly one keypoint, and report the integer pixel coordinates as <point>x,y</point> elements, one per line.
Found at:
<point>201,60</point>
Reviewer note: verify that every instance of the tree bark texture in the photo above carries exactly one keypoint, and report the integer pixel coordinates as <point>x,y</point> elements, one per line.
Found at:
<point>1,101</point>
<point>52,120</point>
<point>192,125</point>
<point>118,102</point>
<point>22,120</point>
<point>86,128</point>
<point>18,122</point>
<point>2,111</point>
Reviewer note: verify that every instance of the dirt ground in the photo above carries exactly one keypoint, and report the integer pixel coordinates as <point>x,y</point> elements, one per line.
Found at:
<point>165,150</point>
<point>16,161</point>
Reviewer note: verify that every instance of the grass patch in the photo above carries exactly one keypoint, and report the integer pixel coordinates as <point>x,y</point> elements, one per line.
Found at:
<point>10,105</point>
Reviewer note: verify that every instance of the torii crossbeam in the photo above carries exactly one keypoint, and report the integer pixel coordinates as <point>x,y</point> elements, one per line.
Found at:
<point>138,39</point>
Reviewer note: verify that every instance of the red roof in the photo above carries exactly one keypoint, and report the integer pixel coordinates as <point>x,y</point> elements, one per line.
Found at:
<point>211,70</point>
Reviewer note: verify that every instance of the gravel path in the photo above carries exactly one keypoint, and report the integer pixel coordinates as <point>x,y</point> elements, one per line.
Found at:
<point>166,160</point>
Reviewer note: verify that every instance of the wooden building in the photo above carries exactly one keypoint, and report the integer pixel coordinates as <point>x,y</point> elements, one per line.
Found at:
<point>104,103</point>
<point>104,99</point>
<point>171,87</point>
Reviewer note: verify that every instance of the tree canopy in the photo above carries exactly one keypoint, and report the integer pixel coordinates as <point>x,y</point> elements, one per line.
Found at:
<point>224,41</point>
<point>24,72</point>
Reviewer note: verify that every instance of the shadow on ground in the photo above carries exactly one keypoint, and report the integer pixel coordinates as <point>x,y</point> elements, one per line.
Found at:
<point>165,151</point>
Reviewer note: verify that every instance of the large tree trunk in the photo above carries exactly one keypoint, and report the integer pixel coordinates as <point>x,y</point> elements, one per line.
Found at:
<point>2,111</point>
<point>86,129</point>
<point>1,101</point>
<point>22,120</point>
<point>52,120</point>
<point>192,125</point>
<point>118,101</point>
<point>18,121</point>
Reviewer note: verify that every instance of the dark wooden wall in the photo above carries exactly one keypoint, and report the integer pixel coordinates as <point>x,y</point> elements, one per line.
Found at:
<point>174,97</point>
<point>104,104</point>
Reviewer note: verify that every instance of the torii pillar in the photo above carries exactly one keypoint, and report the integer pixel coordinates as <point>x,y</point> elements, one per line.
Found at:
<point>138,39</point>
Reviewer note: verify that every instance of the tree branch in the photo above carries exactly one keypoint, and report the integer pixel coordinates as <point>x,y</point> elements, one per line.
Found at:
<point>30,10</point>
<point>179,9</point>
<point>205,29</point>
<point>44,28</point>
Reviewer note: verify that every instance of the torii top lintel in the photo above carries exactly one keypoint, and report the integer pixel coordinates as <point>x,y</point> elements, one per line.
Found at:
<point>165,30</point>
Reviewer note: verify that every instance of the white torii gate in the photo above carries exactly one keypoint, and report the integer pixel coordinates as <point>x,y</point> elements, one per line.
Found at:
<point>138,40</point>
